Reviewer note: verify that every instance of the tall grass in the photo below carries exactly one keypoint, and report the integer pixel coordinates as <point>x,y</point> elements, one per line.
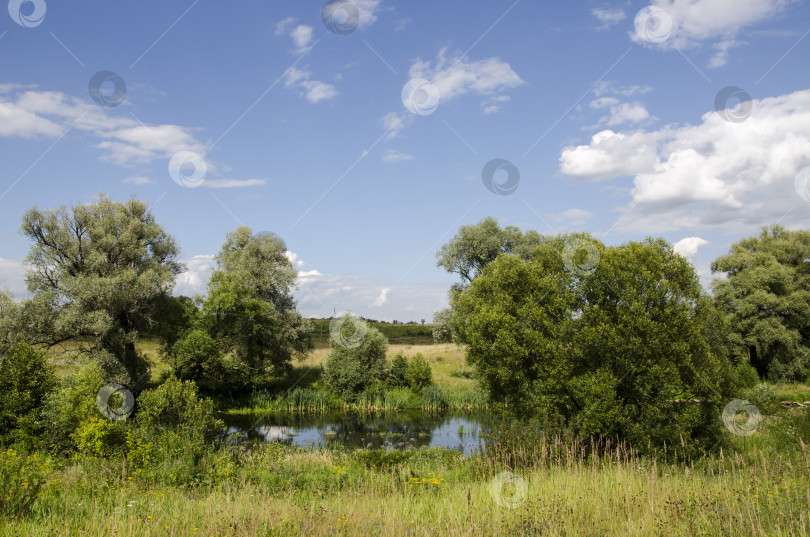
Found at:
<point>573,489</point>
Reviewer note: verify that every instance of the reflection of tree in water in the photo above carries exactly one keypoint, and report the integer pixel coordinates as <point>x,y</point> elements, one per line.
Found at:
<point>390,430</point>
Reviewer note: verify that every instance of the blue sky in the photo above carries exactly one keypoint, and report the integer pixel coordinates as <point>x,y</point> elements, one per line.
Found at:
<point>359,131</point>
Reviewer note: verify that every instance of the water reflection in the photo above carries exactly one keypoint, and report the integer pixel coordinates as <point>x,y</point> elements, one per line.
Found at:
<point>390,430</point>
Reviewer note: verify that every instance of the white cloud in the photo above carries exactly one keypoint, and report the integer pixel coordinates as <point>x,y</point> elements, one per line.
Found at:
<point>609,154</point>
<point>302,38</point>
<point>720,57</point>
<point>195,279</point>
<point>454,77</point>
<point>698,21</point>
<point>293,257</point>
<point>608,17</point>
<point>315,91</point>
<point>138,180</point>
<point>367,10</point>
<point>392,156</point>
<point>382,299</point>
<point>394,122</point>
<point>619,112</point>
<point>12,277</point>
<point>124,140</point>
<point>689,246</point>
<point>282,26</point>
<point>736,176</point>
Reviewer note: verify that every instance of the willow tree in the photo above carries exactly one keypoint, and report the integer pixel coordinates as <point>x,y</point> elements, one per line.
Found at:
<point>766,296</point>
<point>98,273</point>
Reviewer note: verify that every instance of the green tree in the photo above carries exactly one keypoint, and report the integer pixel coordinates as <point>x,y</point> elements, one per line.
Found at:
<point>356,357</point>
<point>197,357</point>
<point>766,297</point>
<point>604,346</point>
<point>98,271</point>
<point>25,380</point>
<point>418,373</point>
<point>399,369</point>
<point>475,246</point>
<point>250,308</point>
<point>442,332</point>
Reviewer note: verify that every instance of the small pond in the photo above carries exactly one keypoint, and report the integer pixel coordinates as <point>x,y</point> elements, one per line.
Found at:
<point>389,430</point>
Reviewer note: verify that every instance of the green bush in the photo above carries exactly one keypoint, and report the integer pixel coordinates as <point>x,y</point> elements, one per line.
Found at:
<point>196,357</point>
<point>419,374</point>
<point>25,380</point>
<point>356,358</point>
<point>175,434</point>
<point>763,396</point>
<point>399,370</point>
<point>22,478</point>
<point>70,404</point>
<point>745,376</point>
<point>100,437</point>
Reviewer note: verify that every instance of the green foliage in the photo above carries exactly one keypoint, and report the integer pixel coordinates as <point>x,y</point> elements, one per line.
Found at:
<point>22,479</point>
<point>398,372</point>
<point>475,246</point>
<point>10,328</point>
<point>98,272</point>
<point>71,403</point>
<point>198,357</point>
<point>766,298</point>
<point>349,369</point>
<point>250,308</point>
<point>175,432</point>
<point>763,397</point>
<point>100,437</point>
<point>442,332</point>
<point>25,380</point>
<point>745,376</point>
<point>604,345</point>
<point>418,373</point>
<point>176,406</point>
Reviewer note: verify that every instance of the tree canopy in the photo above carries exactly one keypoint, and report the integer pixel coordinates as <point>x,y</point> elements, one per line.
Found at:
<point>98,272</point>
<point>766,296</point>
<point>604,346</point>
<point>249,314</point>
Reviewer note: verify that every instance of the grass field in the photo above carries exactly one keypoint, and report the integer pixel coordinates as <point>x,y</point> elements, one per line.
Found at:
<point>748,486</point>
<point>279,490</point>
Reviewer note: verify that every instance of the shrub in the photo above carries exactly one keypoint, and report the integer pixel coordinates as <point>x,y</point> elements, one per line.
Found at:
<point>176,406</point>
<point>176,432</point>
<point>419,374</point>
<point>25,380</point>
<point>100,437</point>
<point>399,370</point>
<point>22,478</point>
<point>196,357</point>
<point>745,376</point>
<point>356,358</point>
<point>70,404</point>
<point>763,396</point>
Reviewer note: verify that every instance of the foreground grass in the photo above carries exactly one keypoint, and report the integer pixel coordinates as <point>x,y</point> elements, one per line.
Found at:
<point>279,490</point>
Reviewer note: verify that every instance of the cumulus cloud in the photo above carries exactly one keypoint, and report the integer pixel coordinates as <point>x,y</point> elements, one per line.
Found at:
<point>453,77</point>
<point>315,91</point>
<point>609,154</point>
<point>195,279</point>
<point>302,36</point>
<point>716,173</point>
<point>688,246</point>
<point>711,21</point>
